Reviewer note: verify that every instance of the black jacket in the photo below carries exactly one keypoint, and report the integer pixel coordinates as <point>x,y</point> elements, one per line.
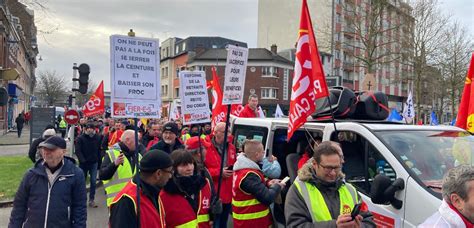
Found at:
<point>252,183</point>
<point>122,213</point>
<point>187,187</point>
<point>161,145</point>
<point>66,197</point>
<point>108,168</point>
<point>34,148</point>
<point>20,120</point>
<point>88,149</point>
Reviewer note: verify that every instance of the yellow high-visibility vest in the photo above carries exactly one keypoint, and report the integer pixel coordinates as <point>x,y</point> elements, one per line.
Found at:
<point>317,206</point>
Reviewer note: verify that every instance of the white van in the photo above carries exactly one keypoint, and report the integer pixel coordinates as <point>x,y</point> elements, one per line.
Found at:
<point>412,158</point>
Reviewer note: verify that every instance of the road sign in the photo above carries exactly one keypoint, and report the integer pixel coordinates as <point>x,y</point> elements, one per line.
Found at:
<point>71,116</point>
<point>40,119</point>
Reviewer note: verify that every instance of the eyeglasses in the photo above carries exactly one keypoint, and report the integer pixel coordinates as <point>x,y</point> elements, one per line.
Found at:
<point>330,168</point>
<point>168,171</point>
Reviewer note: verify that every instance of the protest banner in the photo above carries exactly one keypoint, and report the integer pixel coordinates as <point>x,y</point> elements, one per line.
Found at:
<point>235,70</point>
<point>135,77</point>
<point>194,98</point>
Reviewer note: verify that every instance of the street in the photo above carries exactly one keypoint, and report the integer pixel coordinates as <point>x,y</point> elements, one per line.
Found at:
<point>96,217</point>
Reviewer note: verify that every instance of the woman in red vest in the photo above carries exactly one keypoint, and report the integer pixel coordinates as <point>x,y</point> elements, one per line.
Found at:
<point>187,197</point>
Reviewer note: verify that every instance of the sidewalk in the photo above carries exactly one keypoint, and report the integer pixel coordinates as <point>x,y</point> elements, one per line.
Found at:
<point>11,138</point>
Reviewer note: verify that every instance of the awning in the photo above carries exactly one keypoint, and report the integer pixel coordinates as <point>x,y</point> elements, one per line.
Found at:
<point>9,74</point>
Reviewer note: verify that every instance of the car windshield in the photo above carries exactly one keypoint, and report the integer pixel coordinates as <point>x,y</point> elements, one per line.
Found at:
<point>430,154</point>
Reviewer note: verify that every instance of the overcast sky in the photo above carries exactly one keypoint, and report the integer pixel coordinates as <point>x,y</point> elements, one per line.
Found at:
<point>84,27</point>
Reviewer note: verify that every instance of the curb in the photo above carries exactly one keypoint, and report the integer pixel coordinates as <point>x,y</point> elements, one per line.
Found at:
<point>9,203</point>
<point>14,144</point>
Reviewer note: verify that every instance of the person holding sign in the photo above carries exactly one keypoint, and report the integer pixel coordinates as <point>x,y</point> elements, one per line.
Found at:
<point>213,163</point>
<point>118,165</point>
<point>250,110</point>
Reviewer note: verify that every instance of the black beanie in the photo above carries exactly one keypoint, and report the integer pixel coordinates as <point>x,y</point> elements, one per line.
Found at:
<point>171,126</point>
<point>154,160</point>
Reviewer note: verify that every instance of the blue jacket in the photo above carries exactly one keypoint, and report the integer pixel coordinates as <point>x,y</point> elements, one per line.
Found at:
<point>62,205</point>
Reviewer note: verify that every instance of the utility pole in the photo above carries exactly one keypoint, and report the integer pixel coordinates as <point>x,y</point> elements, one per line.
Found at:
<point>73,105</point>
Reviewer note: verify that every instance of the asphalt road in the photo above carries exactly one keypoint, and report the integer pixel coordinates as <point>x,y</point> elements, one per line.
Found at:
<point>96,217</point>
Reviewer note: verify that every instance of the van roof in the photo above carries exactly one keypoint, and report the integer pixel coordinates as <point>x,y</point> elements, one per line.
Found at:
<point>372,125</point>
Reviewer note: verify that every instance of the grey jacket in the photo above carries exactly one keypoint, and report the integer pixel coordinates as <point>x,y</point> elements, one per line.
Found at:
<point>296,211</point>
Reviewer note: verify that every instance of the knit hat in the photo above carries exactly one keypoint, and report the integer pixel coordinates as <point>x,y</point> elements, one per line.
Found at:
<point>49,132</point>
<point>154,160</point>
<point>193,143</point>
<point>171,126</point>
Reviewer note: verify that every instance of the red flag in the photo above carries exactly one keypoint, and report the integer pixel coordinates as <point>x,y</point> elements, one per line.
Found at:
<point>309,82</point>
<point>95,105</point>
<point>219,111</point>
<point>465,118</point>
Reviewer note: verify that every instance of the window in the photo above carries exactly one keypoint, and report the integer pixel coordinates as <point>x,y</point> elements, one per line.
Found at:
<point>201,68</point>
<point>167,51</point>
<point>362,161</point>
<point>177,49</point>
<point>269,71</point>
<point>242,133</point>
<point>184,46</point>
<point>269,93</point>
<point>176,92</point>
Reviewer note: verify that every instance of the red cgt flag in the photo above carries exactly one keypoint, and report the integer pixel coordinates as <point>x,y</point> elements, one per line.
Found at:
<point>309,82</point>
<point>219,111</point>
<point>95,105</point>
<point>465,118</point>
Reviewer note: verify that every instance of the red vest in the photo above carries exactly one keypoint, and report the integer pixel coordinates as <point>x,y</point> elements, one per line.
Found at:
<point>149,216</point>
<point>179,213</point>
<point>247,211</point>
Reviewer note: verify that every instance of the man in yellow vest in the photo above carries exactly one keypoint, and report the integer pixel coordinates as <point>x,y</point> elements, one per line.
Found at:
<point>319,197</point>
<point>118,165</point>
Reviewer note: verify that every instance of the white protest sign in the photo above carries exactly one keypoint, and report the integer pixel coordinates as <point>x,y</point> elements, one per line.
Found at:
<point>194,98</point>
<point>235,70</point>
<point>135,77</point>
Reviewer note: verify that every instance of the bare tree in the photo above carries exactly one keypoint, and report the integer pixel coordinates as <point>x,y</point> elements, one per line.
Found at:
<point>51,88</point>
<point>454,60</point>
<point>428,35</point>
<point>369,36</point>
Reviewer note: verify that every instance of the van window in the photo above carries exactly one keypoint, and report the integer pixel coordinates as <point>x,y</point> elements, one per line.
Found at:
<point>362,161</point>
<point>243,132</point>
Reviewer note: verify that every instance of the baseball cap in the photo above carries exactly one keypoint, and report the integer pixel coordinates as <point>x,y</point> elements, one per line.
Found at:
<point>53,142</point>
<point>193,143</point>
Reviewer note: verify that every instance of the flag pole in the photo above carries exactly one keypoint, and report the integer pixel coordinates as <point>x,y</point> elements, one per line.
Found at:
<point>137,168</point>
<point>224,152</point>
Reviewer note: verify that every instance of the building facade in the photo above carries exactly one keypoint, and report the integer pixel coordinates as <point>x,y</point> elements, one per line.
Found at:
<point>268,75</point>
<point>175,53</point>
<point>343,39</point>
<point>18,51</point>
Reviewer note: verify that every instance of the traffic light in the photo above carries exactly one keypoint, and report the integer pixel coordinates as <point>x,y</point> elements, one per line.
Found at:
<point>69,101</point>
<point>84,71</point>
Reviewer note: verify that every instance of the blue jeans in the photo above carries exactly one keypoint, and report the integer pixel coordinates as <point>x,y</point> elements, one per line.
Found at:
<point>221,220</point>
<point>90,169</point>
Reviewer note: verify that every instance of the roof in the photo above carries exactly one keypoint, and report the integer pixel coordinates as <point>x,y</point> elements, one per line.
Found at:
<point>193,42</point>
<point>255,54</point>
